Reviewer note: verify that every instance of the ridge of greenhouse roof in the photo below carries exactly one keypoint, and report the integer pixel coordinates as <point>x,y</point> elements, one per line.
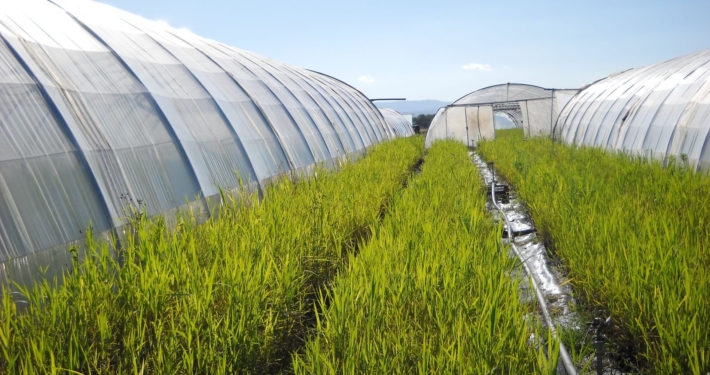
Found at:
<point>509,84</point>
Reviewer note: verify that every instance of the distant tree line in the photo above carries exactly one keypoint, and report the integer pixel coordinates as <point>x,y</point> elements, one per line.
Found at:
<point>422,122</point>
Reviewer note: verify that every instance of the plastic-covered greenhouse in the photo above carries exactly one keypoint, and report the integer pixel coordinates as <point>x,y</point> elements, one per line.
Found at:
<point>99,108</point>
<point>397,122</point>
<point>656,111</point>
<point>471,118</point>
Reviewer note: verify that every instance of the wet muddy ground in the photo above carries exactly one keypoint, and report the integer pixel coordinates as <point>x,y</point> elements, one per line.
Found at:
<point>545,269</point>
<point>557,294</point>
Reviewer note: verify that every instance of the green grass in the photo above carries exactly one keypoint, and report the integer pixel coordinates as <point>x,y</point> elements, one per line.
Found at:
<point>432,292</point>
<point>633,236</point>
<point>232,295</point>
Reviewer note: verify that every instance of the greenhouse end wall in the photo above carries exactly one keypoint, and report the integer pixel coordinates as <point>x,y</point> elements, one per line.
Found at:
<point>471,118</point>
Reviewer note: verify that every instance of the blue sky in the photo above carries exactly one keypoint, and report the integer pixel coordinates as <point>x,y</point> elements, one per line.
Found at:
<point>446,49</point>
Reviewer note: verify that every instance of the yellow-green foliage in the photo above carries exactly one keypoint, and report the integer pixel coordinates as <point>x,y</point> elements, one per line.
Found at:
<point>633,235</point>
<point>432,292</point>
<point>232,295</point>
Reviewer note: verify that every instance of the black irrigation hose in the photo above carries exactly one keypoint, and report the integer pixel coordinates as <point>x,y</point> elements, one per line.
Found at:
<point>564,355</point>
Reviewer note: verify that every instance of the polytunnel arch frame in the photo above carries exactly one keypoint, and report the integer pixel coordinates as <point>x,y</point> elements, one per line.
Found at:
<point>341,117</point>
<point>331,109</point>
<point>510,116</point>
<point>334,103</point>
<point>507,84</point>
<point>260,111</point>
<point>534,108</point>
<point>161,111</point>
<point>290,114</point>
<point>516,116</point>
<point>397,122</point>
<point>65,128</point>
<point>372,106</point>
<point>57,113</point>
<point>658,111</point>
<point>311,97</point>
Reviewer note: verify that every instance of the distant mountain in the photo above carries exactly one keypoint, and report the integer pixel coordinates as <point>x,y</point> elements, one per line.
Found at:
<point>413,107</point>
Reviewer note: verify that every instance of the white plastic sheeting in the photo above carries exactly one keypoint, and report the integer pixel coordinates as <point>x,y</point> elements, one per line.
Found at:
<point>400,125</point>
<point>506,92</point>
<point>468,124</point>
<point>100,108</point>
<point>659,110</point>
<point>471,118</point>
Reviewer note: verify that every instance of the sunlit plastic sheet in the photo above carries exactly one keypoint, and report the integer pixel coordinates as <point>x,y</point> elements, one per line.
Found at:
<point>472,116</point>
<point>262,145</point>
<point>486,126</point>
<point>210,143</point>
<point>340,104</point>
<point>47,194</point>
<point>342,123</point>
<point>119,146</point>
<point>482,125</point>
<point>468,124</point>
<point>532,108</point>
<point>372,121</point>
<point>372,118</point>
<point>456,124</point>
<point>398,123</point>
<point>537,116</point>
<point>348,106</point>
<point>126,140</point>
<point>505,93</point>
<point>659,110</point>
<point>293,137</point>
<point>100,109</point>
<point>306,103</point>
<point>295,108</point>
<point>436,132</point>
<point>329,112</point>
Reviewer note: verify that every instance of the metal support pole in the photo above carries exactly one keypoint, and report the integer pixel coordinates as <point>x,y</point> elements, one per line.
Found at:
<point>599,346</point>
<point>552,110</point>
<point>599,342</point>
<point>465,114</point>
<point>387,99</point>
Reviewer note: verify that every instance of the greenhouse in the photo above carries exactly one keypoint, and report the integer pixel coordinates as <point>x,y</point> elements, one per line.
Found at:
<point>657,111</point>
<point>397,122</point>
<point>102,109</point>
<point>472,117</point>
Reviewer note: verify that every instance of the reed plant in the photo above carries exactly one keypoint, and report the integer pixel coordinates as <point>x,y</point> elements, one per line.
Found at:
<point>633,235</point>
<point>433,291</point>
<point>232,295</point>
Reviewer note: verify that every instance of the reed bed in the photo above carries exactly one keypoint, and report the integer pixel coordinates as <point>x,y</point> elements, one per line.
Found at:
<point>633,236</point>
<point>432,292</point>
<point>231,295</point>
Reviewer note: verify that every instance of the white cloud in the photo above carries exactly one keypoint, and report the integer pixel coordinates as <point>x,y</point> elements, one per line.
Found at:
<point>366,79</point>
<point>474,66</point>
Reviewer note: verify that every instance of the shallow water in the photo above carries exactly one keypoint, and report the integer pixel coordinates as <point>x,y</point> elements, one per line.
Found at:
<point>533,252</point>
<point>550,280</point>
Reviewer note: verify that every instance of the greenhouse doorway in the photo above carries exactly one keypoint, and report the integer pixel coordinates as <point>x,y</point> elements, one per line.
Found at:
<point>507,116</point>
